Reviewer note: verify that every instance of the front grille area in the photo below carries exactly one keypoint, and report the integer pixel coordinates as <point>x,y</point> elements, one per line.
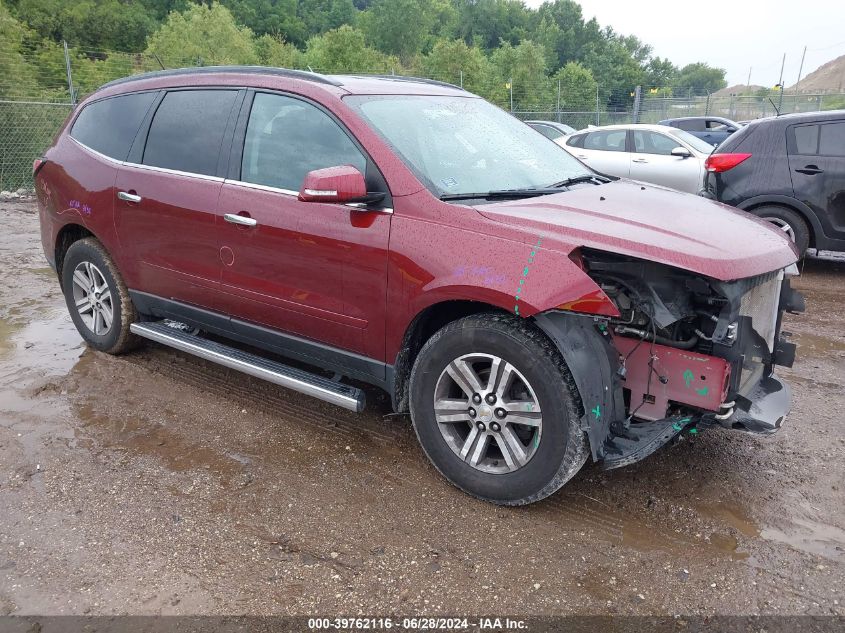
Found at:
<point>761,304</point>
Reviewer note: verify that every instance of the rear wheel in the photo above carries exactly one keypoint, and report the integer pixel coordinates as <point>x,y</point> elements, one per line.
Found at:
<point>496,411</point>
<point>97,298</point>
<point>788,221</point>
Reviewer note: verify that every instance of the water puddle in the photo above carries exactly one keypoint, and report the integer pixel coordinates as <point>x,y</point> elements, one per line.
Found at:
<point>817,345</point>
<point>805,532</point>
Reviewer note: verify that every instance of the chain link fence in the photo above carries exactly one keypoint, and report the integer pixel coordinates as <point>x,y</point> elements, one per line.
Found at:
<point>39,87</point>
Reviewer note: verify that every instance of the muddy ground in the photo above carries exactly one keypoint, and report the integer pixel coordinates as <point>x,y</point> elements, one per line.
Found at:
<point>156,483</point>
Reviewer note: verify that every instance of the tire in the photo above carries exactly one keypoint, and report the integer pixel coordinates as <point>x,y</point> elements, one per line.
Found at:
<point>540,388</point>
<point>86,265</point>
<point>790,222</point>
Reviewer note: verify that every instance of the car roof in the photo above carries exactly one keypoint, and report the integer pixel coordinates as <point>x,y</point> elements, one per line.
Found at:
<point>345,84</point>
<point>630,126</point>
<point>698,118</point>
<point>799,117</point>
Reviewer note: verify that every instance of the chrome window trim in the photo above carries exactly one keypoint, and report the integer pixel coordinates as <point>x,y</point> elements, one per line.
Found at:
<point>123,163</point>
<point>254,185</point>
<point>175,172</point>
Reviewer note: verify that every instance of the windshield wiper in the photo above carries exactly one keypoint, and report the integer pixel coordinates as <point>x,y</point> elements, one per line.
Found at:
<point>594,178</point>
<point>501,194</point>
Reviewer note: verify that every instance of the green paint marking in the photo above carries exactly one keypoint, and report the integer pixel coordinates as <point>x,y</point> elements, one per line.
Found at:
<point>677,426</point>
<point>597,411</point>
<point>702,392</point>
<point>693,431</point>
<point>525,274</point>
<point>688,377</point>
<point>684,420</point>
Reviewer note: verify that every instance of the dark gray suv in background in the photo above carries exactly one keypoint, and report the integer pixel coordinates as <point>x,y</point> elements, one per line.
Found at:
<point>789,170</point>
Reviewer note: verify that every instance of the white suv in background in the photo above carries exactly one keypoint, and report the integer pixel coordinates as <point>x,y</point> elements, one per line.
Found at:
<point>658,154</point>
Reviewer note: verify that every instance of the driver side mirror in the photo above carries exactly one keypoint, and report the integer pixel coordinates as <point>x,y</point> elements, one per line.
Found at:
<point>681,152</point>
<point>339,184</point>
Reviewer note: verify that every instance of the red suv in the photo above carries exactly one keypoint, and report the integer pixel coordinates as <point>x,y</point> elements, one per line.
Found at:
<point>528,312</point>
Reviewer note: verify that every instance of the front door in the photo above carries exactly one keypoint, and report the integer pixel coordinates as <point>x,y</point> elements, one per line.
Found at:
<point>310,269</point>
<point>817,165</point>
<point>652,161</point>
<point>605,151</point>
<point>165,213</point>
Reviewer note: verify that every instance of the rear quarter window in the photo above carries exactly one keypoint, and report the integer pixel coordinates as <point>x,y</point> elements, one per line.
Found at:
<point>109,126</point>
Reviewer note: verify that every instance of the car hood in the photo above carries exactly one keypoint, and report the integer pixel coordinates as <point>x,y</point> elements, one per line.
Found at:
<point>651,223</point>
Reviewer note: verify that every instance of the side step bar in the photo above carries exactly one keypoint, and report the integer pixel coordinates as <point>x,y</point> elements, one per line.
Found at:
<point>304,382</point>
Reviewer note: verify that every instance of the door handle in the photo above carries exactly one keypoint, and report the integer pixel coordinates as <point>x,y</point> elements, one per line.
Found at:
<point>810,170</point>
<point>241,220</point>
<point>639,160</point>
<point>128,197</point>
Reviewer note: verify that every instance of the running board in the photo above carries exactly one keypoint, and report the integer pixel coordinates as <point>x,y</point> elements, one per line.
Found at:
<point>304,382</point>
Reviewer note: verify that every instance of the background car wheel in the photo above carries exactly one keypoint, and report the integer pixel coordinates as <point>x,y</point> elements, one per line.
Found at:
<point>97,298</point>
<point>789,222</point>
<point>496,410</point>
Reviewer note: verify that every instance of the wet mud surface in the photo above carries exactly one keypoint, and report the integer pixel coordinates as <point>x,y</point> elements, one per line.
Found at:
<point>157,483</point>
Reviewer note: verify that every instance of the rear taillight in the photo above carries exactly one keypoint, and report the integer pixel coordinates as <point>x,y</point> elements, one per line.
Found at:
<point>37,164</point>
<point>723,162</point>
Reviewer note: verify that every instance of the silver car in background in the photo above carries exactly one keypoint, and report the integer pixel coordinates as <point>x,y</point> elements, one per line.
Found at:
<point>657,154</point>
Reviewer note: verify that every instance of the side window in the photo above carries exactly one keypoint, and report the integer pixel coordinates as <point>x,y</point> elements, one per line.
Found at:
<point>714,125</point>
<point>576,141</point>
<point>109,126</point>
<point>805,140</point>
<point>690,125</point>
<point>653,143</point>
<point>187,130</point>
<point>832,139</point>
<point>547,131</point>
<point>609,141</point>
<point>286,138</point>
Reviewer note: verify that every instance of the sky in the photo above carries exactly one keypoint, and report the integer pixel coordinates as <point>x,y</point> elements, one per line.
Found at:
<point>732,34</point>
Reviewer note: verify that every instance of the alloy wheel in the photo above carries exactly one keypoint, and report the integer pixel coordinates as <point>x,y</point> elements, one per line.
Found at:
<point>783,225</point>
<point>93,298</point>
<point>488,413</point>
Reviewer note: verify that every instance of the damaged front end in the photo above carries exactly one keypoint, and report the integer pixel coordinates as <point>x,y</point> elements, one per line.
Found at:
<point>686,352</point>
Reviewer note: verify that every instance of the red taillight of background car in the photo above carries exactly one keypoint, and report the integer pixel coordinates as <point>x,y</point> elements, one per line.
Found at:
<point>37,164</point>
<point>723,162</point>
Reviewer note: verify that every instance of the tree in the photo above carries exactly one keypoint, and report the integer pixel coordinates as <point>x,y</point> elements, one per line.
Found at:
<point>487,23</point>
<point>615,70</point>
<point>577,88</point>
<point>345,50</point>
<point>660,73</point>
<point>398,27</point>
<point>562,30</point>
<point>453,60</point>
<point>203,35</point>
<point>320,16</point>
<point>277,17</point>
<point>522,70</point>
<point>274,51</point>
<point>700,78</point>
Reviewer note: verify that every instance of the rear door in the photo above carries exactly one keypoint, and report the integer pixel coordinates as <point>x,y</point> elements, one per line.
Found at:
<point>167,194</point>
<point>605,151</point>
<point>316,270</point>
<point>652,161</point>
<point>817,165</point>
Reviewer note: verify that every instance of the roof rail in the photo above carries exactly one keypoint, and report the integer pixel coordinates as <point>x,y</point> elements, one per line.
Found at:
<point>204,70</point>
<point>420,80</point>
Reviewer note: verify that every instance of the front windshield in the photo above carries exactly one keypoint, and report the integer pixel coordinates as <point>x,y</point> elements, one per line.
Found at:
<point>459,145</point>
<point>699,145</point>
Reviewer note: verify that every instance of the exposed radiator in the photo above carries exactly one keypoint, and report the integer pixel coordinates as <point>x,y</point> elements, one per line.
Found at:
<point>761,304</point>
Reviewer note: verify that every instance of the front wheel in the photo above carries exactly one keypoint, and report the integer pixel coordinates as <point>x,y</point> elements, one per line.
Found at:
<point>97,298</point>
<point>496,410</point>
<point>788,221</point>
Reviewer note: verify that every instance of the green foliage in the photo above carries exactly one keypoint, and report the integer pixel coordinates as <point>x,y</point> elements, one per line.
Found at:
<point>345,50</point>
<point>274,51</point>
<point>487,23</point>
<point>203,35</point>
<point>398,27</point>
<point>577,88</point>
<point>524,68</point>
<point>701,78</point>
<point>454,61</point>
<point>276,17</point>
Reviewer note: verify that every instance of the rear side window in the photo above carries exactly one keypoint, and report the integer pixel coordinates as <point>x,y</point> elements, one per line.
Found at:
<point>109,126</point>
<point>690,125</point>
<point>609,141</point>
<point>805,140</point>
<point>547,131</point>
<point>187,130</point>
<point>832,139</point>
<point>576,141</point>
<point>286,138</point>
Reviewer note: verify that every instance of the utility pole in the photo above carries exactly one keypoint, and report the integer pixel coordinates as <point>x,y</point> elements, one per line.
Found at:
<point>558,100</point>
<point>800,69</point>
<point>510,85</point>
<point>748,83</point>
<point>780,83</point>
<point>69,76</point>
<point>462,78</point>
<point>638,95</point>
<point>598,121</point>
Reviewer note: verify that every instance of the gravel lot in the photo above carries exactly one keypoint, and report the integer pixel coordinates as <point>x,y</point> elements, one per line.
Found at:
<point>156,483</point>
